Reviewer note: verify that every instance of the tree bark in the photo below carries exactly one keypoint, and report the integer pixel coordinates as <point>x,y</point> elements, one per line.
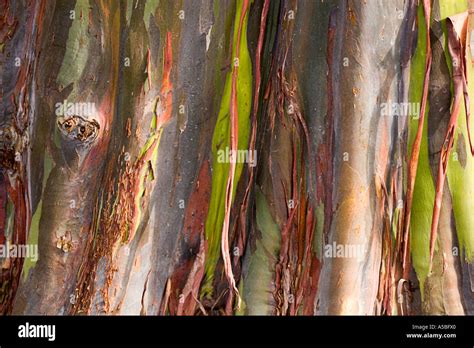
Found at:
<point>204,157</point>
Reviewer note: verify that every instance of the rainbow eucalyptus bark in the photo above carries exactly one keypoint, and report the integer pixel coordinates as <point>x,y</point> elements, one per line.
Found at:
<point>236,157</point>
<point>281,266</point>
<point>153,152</point>
<point>366,159</point>
<point>68,156</point>
<point>20,27</point>
<point>446,276</point>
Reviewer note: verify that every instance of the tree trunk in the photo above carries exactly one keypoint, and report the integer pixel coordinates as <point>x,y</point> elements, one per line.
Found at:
<point>204,157</point>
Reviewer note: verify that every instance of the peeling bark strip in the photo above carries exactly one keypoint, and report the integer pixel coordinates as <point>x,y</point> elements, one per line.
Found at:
<point>186,278</point>
<point>115,116</point>
<point>413,166</point>
<point>457,34</point>
<point>231,134</point>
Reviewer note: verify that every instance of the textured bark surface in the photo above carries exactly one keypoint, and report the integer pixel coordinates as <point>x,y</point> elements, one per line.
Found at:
<point>340,197</point>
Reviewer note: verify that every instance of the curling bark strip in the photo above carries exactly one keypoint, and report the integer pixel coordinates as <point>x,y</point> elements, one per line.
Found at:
<point>415,153</point>
<point>456,27</point>
<point>258,80</point>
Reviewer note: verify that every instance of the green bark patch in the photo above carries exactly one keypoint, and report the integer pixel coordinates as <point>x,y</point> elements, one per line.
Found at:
<point>221,141</point>
<point>77,46</point>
